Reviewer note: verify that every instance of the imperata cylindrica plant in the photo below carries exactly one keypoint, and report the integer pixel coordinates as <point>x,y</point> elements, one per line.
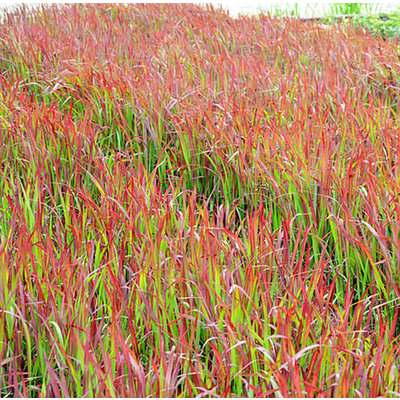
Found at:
<point>193,204</point>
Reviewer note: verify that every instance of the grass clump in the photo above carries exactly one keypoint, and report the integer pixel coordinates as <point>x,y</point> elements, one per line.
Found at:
<point>196,205</point>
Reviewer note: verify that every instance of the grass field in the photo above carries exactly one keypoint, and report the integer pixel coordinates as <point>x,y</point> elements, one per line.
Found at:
<point>197,205</point>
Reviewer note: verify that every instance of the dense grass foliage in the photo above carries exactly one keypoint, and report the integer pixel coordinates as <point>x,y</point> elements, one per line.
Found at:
<point>196,205</point>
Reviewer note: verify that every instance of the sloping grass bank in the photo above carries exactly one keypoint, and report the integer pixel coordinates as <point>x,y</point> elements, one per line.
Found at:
<point>196,205</point>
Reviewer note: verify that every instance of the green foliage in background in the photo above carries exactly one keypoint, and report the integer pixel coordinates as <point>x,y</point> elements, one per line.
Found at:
<point>385,24</point>
<point>352,8</point>
<point>366,16</point>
